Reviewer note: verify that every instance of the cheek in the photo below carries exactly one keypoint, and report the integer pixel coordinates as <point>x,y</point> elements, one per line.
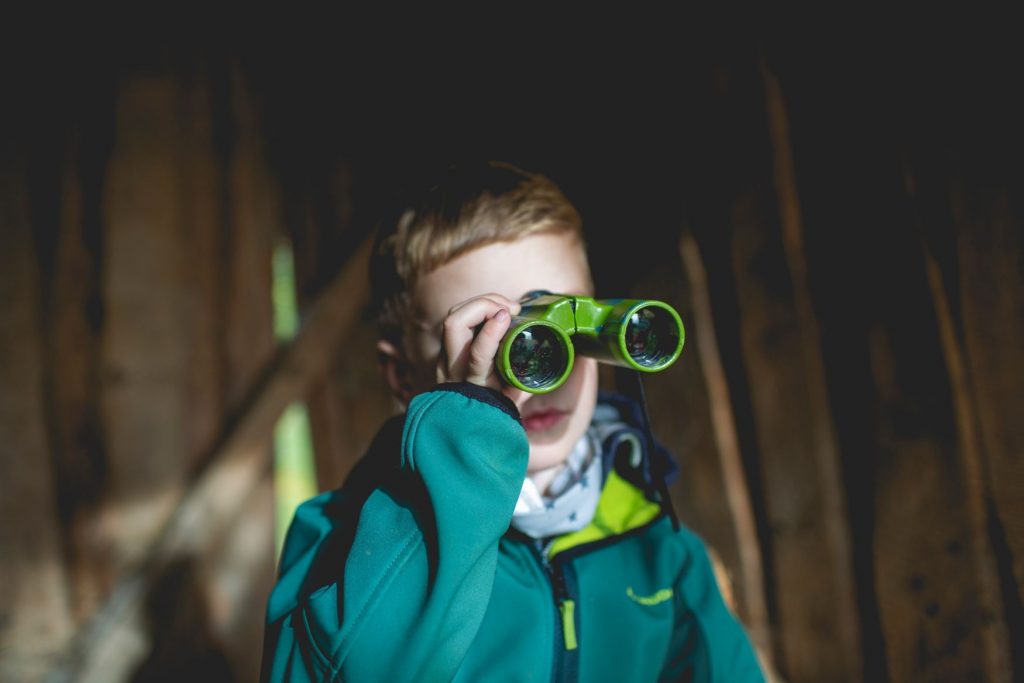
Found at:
<point>423,353</point>
<point>424,348</point>
<point>582,386</point>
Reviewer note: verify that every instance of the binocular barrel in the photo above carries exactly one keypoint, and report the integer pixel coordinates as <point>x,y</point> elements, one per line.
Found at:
<point>537,352</point>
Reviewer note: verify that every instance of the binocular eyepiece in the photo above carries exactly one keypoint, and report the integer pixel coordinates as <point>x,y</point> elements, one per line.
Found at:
<point>537,352</point>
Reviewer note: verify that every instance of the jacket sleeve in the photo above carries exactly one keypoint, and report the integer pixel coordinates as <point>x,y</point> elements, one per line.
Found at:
<point>708,643</point>
<point>405,598</point>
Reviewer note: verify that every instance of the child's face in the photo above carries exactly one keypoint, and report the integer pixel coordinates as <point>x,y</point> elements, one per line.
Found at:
<point>552,261</point>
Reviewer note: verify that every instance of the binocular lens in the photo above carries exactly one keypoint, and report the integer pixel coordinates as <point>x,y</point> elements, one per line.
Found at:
<point>652,336</point>
<point>537,356</point>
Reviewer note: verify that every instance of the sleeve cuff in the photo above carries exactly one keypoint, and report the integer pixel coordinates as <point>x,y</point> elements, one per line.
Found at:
<point>484,395</point>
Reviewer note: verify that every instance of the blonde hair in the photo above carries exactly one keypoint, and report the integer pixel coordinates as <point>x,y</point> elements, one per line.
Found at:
<point>469,208</point>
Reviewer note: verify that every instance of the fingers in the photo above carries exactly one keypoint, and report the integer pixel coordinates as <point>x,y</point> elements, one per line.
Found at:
<point>471,334</point>
<point>484,347</point>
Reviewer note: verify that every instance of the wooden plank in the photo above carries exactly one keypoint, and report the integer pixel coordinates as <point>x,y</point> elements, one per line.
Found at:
<point>205,209</point>
<point>989,246</point>
<point>818,624</point>
<point>229,216</point>
<point>925,579</point>
<point>72,346</point>
<point>233,471</point>
<point>236,221</point>
<point>145,356</point>
<point>971,465</point>
<point>35,617</point>
<point>77,313</point>
<point>814,603</point>
<point>75,202</point>
<point>254,222</point>
<point>732,486</point>
<point>923,617</point>
<point>930,592</point>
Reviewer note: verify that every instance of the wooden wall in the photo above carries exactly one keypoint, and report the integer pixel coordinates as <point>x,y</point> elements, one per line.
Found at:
<point>841,232</point>
<point>145,213</point>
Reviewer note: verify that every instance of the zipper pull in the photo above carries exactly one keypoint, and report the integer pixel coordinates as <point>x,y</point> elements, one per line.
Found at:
<point>566,607</point>
<point>568,610</point>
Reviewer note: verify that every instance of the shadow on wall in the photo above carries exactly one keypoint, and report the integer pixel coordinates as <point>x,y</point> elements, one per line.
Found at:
<point>184,647</point>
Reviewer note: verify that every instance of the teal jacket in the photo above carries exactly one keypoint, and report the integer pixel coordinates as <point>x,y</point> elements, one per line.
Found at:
<point>410,572</point>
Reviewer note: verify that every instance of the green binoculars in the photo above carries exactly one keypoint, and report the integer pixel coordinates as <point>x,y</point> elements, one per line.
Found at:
<point>537,352</point>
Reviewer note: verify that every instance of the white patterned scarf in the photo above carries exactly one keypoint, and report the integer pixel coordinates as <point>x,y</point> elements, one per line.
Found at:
<point>571,498</point>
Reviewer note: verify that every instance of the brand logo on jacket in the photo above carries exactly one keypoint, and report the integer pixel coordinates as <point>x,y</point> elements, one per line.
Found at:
<point>649,600</point>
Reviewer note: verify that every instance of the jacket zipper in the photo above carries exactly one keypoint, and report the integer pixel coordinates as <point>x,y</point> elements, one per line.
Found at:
<point>566,643</point>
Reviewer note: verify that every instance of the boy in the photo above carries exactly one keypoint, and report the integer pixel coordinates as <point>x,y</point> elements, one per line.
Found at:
<point>491,534</point>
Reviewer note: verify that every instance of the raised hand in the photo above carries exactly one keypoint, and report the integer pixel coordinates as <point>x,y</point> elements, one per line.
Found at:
<point>470,335</point>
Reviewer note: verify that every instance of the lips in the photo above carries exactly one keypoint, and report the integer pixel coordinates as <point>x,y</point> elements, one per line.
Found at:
<point>543,419</point>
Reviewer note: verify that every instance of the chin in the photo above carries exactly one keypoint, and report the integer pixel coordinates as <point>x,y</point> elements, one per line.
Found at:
<point>543,457</point>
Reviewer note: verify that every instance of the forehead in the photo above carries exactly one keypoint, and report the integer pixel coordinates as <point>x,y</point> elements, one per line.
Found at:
<point>556,262</point>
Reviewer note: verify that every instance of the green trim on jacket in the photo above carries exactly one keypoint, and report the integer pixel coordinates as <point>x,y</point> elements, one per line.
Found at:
<point>410,572</point>
<point>621,508</point>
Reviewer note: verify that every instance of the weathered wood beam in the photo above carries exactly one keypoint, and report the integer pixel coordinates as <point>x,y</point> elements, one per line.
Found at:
<point>972,466</point>
<point>74,371</point>
<point>723,424</point>
<point>35,618</point>
<point>188,222</point>
<point>819,627</point>
<point>233,471</point>
<point>990,258</point>
<point>932,604</point>
<point>145,345</point>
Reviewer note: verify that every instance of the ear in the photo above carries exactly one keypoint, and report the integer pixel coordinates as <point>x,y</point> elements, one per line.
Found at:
<point>397,370</point>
